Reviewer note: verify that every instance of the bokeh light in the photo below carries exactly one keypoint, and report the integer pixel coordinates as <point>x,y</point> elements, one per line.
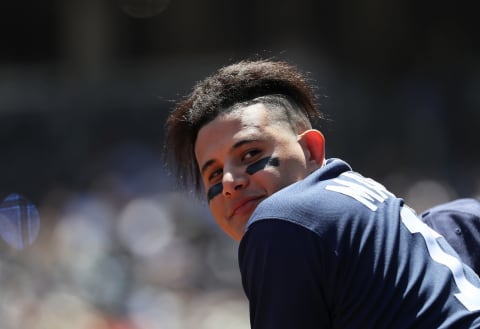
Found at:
<point>19,221</point>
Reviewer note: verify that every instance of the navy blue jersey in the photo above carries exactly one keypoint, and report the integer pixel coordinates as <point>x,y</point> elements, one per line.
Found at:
<point>337,250</point>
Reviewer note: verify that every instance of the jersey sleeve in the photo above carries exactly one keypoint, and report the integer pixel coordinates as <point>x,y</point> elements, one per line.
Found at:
<point>282,271</point>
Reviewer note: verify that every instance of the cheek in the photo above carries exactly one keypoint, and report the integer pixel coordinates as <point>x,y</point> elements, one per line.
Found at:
<point>217,209</point>
<point>289,172</point>
<point>269,180</point>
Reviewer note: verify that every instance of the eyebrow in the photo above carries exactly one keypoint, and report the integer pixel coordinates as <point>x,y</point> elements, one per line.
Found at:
<point>210,162</point>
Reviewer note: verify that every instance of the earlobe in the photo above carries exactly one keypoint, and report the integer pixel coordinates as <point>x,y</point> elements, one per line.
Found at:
<point>314,142</point>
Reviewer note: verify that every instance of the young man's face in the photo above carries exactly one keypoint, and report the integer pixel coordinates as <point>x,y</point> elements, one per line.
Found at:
<point>244,158</point>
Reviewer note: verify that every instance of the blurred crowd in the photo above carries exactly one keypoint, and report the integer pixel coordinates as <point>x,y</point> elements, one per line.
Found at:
<point>129,252</point>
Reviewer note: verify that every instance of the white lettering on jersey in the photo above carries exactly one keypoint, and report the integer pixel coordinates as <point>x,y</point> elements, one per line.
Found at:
<point>364,190</point>
<point>469,295</point>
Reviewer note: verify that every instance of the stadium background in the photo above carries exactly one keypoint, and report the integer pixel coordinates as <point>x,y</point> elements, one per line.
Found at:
<point>84,92</point>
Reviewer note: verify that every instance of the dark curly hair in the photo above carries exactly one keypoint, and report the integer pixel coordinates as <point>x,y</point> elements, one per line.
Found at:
<point>233,84</point>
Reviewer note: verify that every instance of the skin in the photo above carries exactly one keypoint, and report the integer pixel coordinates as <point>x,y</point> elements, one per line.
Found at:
<point>252,157</point>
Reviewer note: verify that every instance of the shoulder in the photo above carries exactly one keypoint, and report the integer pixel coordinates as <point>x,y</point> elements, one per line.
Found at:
<point>458,221</point>
<point>333,194</point>
<point>273,246</point>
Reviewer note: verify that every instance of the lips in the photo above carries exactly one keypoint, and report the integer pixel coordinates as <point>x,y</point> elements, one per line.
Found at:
<point>243,206</point>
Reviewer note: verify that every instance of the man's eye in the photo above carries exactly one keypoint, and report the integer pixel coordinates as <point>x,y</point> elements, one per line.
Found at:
<point>250,154</point>
<point>215,174</point>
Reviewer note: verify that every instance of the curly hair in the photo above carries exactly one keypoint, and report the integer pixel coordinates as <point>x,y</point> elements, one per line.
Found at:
<point>233,84</point>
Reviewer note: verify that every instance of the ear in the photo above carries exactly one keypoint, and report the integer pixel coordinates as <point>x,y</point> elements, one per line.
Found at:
<point>313,144</point>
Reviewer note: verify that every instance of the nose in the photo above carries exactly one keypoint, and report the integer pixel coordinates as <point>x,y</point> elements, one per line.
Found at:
<point>233,182</point>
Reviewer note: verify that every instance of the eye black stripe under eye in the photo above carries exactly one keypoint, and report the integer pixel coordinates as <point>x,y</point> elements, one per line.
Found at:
<point>262,164</point>
<point>214,190</point>
<point>251,169</point>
